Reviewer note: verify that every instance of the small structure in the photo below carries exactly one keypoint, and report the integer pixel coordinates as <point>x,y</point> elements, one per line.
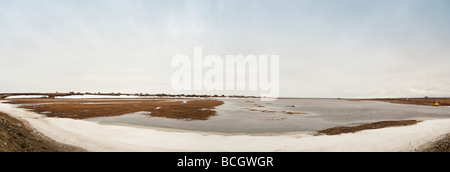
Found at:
<point>437,104</point>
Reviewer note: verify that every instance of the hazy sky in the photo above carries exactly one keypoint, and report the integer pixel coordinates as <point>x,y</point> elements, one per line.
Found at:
<point>327,48</point>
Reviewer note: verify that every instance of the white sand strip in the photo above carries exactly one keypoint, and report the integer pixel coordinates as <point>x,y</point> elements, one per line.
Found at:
<point>101,137</point>
<point>25,97</point>
<point>97,97</point>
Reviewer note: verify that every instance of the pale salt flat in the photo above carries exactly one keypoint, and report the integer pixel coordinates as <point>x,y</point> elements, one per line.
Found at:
<point>94,136</point>
<point>25,97</point>
<point>96,97</point>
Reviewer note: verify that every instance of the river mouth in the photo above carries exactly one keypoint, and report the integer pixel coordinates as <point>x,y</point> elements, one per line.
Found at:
<point>243,116</point>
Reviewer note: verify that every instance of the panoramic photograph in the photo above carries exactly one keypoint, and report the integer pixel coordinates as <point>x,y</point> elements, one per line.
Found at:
<point>224,76</point>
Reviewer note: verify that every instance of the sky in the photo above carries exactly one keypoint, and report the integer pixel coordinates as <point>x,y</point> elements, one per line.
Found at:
<point>327,48</point>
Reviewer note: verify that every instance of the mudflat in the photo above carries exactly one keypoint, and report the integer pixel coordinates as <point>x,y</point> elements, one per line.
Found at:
<point>90,108</point>
<point>375,125</point>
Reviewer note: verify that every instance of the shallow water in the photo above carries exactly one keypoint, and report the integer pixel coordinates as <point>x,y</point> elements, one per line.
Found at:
<point>235,116</point>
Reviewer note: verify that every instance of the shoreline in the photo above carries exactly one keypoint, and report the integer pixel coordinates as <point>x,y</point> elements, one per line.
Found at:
<point>97,137</point>
<point>440,145</point>
<point>46,144</point>
<point>412,101</point>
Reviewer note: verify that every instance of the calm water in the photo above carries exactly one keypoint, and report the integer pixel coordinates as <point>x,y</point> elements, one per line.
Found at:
<point>235,115</point>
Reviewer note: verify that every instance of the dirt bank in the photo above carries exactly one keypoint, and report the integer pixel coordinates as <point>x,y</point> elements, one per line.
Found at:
<point>15,136</point>
<point>89,108</point>
<point>442,145</point>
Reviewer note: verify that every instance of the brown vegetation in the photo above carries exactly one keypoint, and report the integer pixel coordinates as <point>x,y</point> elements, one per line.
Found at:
<point>89,108</point>
<point>376,125</point>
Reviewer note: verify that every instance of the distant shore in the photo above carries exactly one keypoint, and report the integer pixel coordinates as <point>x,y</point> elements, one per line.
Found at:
<point>415,101</point>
